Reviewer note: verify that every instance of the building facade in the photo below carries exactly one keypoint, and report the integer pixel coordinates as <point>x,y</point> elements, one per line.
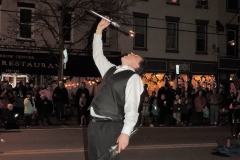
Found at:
<point>201,36</point>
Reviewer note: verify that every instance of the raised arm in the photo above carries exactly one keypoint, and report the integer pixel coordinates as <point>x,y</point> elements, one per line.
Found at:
<point>100,60</point>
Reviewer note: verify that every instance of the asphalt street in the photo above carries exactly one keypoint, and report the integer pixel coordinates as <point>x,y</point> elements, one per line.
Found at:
<point>70,143</point>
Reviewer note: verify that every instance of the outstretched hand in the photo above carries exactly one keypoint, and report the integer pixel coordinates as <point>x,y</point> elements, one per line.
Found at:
<point>102,25</point>
<point>122,141</point>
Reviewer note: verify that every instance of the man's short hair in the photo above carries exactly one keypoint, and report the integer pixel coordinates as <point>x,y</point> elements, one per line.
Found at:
<point>142,67</point>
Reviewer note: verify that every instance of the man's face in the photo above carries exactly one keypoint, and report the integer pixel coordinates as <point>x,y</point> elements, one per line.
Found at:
<point>131,60</point>
<point>83,85</point>
<point>60,83</point>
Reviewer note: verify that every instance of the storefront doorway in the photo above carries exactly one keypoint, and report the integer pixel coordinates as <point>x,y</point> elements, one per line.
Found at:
<point>14,78</point>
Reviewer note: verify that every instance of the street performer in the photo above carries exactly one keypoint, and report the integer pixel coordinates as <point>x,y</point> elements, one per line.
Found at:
<point>114,109</point>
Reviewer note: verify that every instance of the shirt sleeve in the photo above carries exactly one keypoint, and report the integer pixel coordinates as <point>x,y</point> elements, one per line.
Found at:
<point>100,60</point>
<point>134,89</point>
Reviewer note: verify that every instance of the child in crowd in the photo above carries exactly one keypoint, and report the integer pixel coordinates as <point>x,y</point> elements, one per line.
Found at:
<point>145,111</point>
<point>155,112</point>
<point>29,109</point>
<point>205,114</point>
<point>177,105</point>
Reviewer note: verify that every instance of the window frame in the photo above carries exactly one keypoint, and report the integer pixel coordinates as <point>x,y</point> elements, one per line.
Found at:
<point>144,17</point>
<point>70,11</point>
<point>173,3</point>
<point>229,10</point>
<point>205,24</point>
<point>31,24</point>
<point>71,30</point>
<point>198,5</point>
<point>174,20</point>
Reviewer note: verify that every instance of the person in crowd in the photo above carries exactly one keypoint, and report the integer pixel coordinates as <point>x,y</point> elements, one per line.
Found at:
<point>162,103</point>
<point>28,88</point>
<point>83,109</point>
<point>155,112</point>
<point>10,118</point>
<point>231,99</point>
<point>43,86</point>
<point>186,108</point>
<point>164,90</point>
<point>72,99</point>
<point>23,89</point>
<point>29,109</point>
<point>45,110</point>
<point>224,98</point>
<point>214,100</point>
<point>17,88</point>
<point>5,97</point>
<point>48,92</point>
<point>142,98</point>
<point>80,90</point>
<point>151,99</point>
<point>205,114</point>
<point>177,105</point>
<point>200,102</point>
<point>116,101</point>
<point>60,99</point>
<point>31,85</point>
<point>145,111</point>
<point>20,105</point>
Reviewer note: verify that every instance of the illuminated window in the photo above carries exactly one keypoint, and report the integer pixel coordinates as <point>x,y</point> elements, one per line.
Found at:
<point>174,2</point>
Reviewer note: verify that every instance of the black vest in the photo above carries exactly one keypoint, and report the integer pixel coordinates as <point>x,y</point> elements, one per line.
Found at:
<point>109,101</point>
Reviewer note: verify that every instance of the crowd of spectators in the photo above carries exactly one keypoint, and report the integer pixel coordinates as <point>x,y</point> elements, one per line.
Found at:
<point>182,107</point>
<point>35,105</point>
<point>185,107</point>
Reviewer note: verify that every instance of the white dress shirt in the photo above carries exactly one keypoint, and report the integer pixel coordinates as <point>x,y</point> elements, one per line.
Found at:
<point>134,87</point>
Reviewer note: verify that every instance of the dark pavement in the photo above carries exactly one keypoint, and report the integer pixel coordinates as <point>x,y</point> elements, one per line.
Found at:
<point>69,142</point>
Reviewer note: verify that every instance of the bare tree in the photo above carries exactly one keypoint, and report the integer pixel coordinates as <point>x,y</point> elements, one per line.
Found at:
<point>55,19</point>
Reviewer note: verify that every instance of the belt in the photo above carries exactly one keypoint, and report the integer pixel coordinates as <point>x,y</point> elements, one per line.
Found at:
<point>96,119</point>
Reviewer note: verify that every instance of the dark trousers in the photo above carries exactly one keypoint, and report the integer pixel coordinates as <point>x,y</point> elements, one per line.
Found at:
<point>20,111</point>
<point>11,126</point>
<point>45,115</point>
<point>79,114</point>
<point>184,117</point>
<point>199,116</point>
<point>28,119</point>
<point>162,117</point>
<point>101,136</point>
<point>155,117</point>
<point>60,110</point>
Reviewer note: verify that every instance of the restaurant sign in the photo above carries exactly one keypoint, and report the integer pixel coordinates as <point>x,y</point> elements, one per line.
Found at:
<point>31,63</point>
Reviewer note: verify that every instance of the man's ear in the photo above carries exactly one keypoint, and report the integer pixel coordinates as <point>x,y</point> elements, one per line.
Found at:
<point>136,66</point>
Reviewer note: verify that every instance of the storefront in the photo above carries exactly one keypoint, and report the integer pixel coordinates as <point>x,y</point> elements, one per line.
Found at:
<point>227,68</point>
<point>196,73</point>
<point>41,67</point>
